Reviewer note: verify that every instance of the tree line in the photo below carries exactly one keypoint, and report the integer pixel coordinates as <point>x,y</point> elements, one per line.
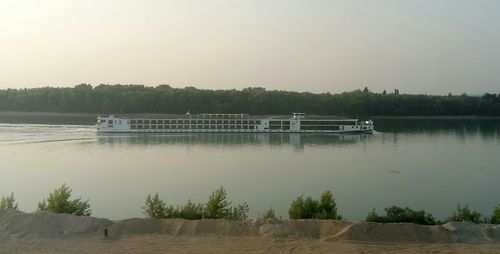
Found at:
<point>104,99</point>
<point>219,207</point>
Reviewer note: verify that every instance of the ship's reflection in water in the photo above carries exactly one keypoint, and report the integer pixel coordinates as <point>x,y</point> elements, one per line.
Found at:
<point>296,140</point>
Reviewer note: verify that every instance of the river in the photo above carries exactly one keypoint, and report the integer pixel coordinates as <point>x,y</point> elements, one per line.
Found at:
<point>430,164</point>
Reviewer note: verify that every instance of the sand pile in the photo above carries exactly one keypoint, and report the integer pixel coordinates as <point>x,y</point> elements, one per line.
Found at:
<point>394,232</point>
<point>18,224</point>
<point>254,228</point>
<point>47,224</point>
<point>467,232</point>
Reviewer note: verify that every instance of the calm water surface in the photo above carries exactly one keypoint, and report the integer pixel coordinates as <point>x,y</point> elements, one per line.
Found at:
<point>424,164</point>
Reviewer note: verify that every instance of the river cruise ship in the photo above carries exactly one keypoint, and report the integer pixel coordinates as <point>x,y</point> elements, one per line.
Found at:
<point>297,123</point>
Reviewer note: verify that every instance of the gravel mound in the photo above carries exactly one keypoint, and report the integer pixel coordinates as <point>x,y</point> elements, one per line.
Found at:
<point>47,224</point>
<point>17,224</point>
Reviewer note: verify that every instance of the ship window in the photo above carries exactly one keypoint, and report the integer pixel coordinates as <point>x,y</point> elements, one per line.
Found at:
<point>286,127</point>
<point>153,121</point>
<point>133,121</point>
<point>167,127</point>
<point>146,126</point>
<point>231,122</point>
<point>206,121</point>
<point>139,127</point>
<point>275,127</point>
<point>146,121</point>
<point>286,122</point>
<point>194,127</point>
<point>219,126</point>
<point>328,127</point>
<point>274,122</point>
<point>133,127</point>
<point>205,127</point>
<point>231,127</point>
<point>245,122</point>
<point>110,121</point>
<point>245,127</point>
<point>160,126</point>
<point>238,122</point>
<point>139,121</point>
<point>153,126</point>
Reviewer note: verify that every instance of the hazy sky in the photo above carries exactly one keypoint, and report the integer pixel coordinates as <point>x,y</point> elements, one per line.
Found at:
<point>417,46</point>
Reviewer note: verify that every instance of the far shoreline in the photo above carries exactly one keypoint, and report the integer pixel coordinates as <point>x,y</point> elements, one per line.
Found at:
<point>84,114</point>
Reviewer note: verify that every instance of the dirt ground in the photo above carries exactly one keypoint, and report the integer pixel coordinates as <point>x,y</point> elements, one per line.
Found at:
<point>164,244</point>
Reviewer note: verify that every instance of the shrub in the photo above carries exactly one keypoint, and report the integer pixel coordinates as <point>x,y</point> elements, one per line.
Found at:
<point>495,217</point>
<point>296,208</point>
<point>190,211</point>
<point>374,217</point>
<point>8,203</point>
<point>395,214</point>
<point>269,214</point>
<point>309,208</point>
<point>59,202</point>
<point>239,212</point>
<point>328,207</point>
<point>217,207</point>
<point>154,207</point>
<point>465,214</point>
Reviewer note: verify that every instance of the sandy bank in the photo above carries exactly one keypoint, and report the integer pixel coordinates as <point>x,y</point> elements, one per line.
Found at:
<point>52,232</point>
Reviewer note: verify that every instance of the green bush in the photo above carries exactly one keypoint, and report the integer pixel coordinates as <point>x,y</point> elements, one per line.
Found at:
<point>240,212</point>
<point>495,217</point>
<point>217,207</point>
<point>269,214</point>
<point>328,207</point>
<point>59,202</point>
<point>8,203</point>
<point>395,214</point>
<point>190,211</point>
<point>309,208</point>
<point>465,214</point>
<point>154,207</point>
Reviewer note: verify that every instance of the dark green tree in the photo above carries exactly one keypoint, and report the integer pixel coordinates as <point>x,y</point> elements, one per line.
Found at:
<point>8,203</point>
<point>465,214</point>
<point>495,217</point>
